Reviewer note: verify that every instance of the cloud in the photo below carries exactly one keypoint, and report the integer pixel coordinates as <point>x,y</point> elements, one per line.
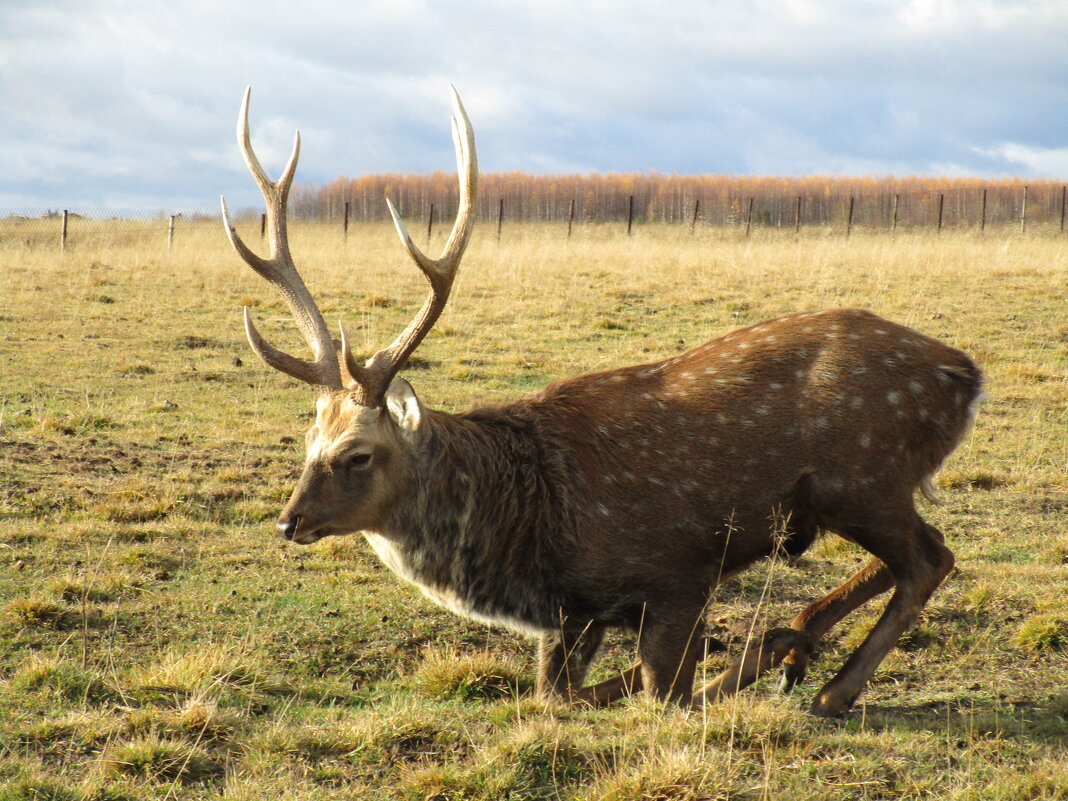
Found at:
<point>1040,162</point>
<point>119,104</point>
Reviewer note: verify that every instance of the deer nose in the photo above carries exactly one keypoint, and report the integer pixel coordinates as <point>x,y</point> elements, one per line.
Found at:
<point>288,527</point>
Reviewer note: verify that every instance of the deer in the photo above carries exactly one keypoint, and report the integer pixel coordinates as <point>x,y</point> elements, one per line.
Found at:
<point>622,499</point>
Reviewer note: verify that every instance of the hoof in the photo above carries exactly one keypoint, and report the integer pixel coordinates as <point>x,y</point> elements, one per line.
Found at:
<point>826,707</point>
<point>792,675</point>
<point>822,712</point>
<point>794,648</point>
<point>714,645</point>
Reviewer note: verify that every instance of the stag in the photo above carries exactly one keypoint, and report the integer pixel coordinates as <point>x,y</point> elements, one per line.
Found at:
<point>623,498</point>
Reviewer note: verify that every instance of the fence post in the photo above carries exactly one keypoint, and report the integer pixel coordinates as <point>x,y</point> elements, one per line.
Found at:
<point>263,225</point>
<point>893,221</point>
<point>630,213</point>
<point>170,232</point>
<point>982,219</point>
<point>430,225</point>
<point>63,235</point>
<point>797,217</point>
<point>696,211</point>
<point>941,205</point>
<point>749,217</point>
<point>1023,214</point>
<point>500,217</point>
<point>1064,191</point>
<point>849,219</point>
<point>345,224</point>
<point>570,216</point>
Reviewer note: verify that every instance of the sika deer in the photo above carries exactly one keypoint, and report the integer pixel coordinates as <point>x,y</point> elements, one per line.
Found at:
<point>623,498</point>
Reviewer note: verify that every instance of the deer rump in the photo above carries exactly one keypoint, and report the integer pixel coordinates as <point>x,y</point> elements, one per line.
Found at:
<point>625,497</point>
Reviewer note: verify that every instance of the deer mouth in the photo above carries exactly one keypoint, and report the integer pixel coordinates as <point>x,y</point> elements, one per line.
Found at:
<point>307,538</point>
<point>295,529</point>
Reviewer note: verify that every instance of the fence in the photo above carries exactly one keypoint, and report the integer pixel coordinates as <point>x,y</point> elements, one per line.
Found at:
<point>706,199</point>
<point>1021,208</point>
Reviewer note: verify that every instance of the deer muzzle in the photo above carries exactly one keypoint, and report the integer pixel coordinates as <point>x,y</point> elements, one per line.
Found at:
<point>288,526</point>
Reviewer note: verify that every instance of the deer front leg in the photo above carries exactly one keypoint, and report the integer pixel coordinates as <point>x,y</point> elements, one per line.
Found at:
<point>758,658</point>
<point>668,646</point>
<point>564,657</point>
<point>820,617</point>
<point>626,683</point>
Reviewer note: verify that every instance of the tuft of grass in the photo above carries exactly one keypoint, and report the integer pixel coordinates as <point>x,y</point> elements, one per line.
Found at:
<point>146,558</point>
<point>101,589</point>
<point>747,722</point>
<point>214,673</point>
<point>37,612</point>
<point>669,774</point>
<point>1058,705</point>
<point>973,479</point>
<point>159,760</point>
<point>38,789</point>
<point>136,370</point>
<point>374,740</point>
<point>134,511</point>
<point>203,719</point>
<point>73,424</point>
<point>1042,633</point>
<point>534,759</point>
<point>377,302</point>
<point>195,342</point>
<point>60,679</point>
<point>479,675</point>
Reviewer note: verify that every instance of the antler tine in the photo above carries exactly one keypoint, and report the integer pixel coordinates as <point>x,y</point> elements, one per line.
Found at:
<point>281,272</point>
<point>372,379</point>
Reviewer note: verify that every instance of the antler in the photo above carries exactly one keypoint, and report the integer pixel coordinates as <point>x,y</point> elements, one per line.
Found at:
<point>280,271</point>
<point>371,380</point>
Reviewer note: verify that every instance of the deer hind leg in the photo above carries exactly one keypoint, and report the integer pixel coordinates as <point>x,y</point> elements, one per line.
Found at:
<point>917,560</point>
<point>564,657</point>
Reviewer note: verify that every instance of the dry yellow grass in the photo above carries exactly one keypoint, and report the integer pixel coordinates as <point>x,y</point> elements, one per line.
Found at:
<point>160,643</point>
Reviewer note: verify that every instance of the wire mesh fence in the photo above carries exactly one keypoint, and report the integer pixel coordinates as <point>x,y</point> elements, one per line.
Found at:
<point>745,205</point>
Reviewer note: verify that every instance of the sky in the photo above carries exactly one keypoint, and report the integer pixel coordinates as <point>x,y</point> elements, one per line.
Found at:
<point>132,104</point>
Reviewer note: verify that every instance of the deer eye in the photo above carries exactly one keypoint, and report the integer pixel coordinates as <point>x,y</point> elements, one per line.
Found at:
<point>358,461</point>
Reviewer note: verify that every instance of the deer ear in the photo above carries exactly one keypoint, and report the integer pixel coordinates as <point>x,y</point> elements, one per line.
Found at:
<point>405,407</point>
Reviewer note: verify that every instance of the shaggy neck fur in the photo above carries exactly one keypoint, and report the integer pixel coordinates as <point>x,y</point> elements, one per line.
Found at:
<point>487,525</point>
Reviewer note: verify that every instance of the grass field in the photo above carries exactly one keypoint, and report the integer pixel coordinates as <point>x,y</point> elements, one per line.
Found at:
<point>161,642</point>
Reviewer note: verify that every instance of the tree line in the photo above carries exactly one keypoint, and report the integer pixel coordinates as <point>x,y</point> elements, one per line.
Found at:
<point>694,199</point>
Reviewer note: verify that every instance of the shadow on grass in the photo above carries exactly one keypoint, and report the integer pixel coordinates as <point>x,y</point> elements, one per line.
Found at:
<point>965,722</point>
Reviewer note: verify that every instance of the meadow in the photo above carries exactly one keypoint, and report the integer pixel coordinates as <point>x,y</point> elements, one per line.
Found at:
<point>160,641</point>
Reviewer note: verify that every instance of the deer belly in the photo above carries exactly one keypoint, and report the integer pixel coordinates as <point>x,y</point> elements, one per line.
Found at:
<point>396,560</point>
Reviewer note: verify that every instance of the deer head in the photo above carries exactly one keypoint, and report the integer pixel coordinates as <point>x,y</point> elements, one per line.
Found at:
<point>368,420</point>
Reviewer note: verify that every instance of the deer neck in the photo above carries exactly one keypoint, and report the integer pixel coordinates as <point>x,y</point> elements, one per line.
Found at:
<point>474,532</point>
